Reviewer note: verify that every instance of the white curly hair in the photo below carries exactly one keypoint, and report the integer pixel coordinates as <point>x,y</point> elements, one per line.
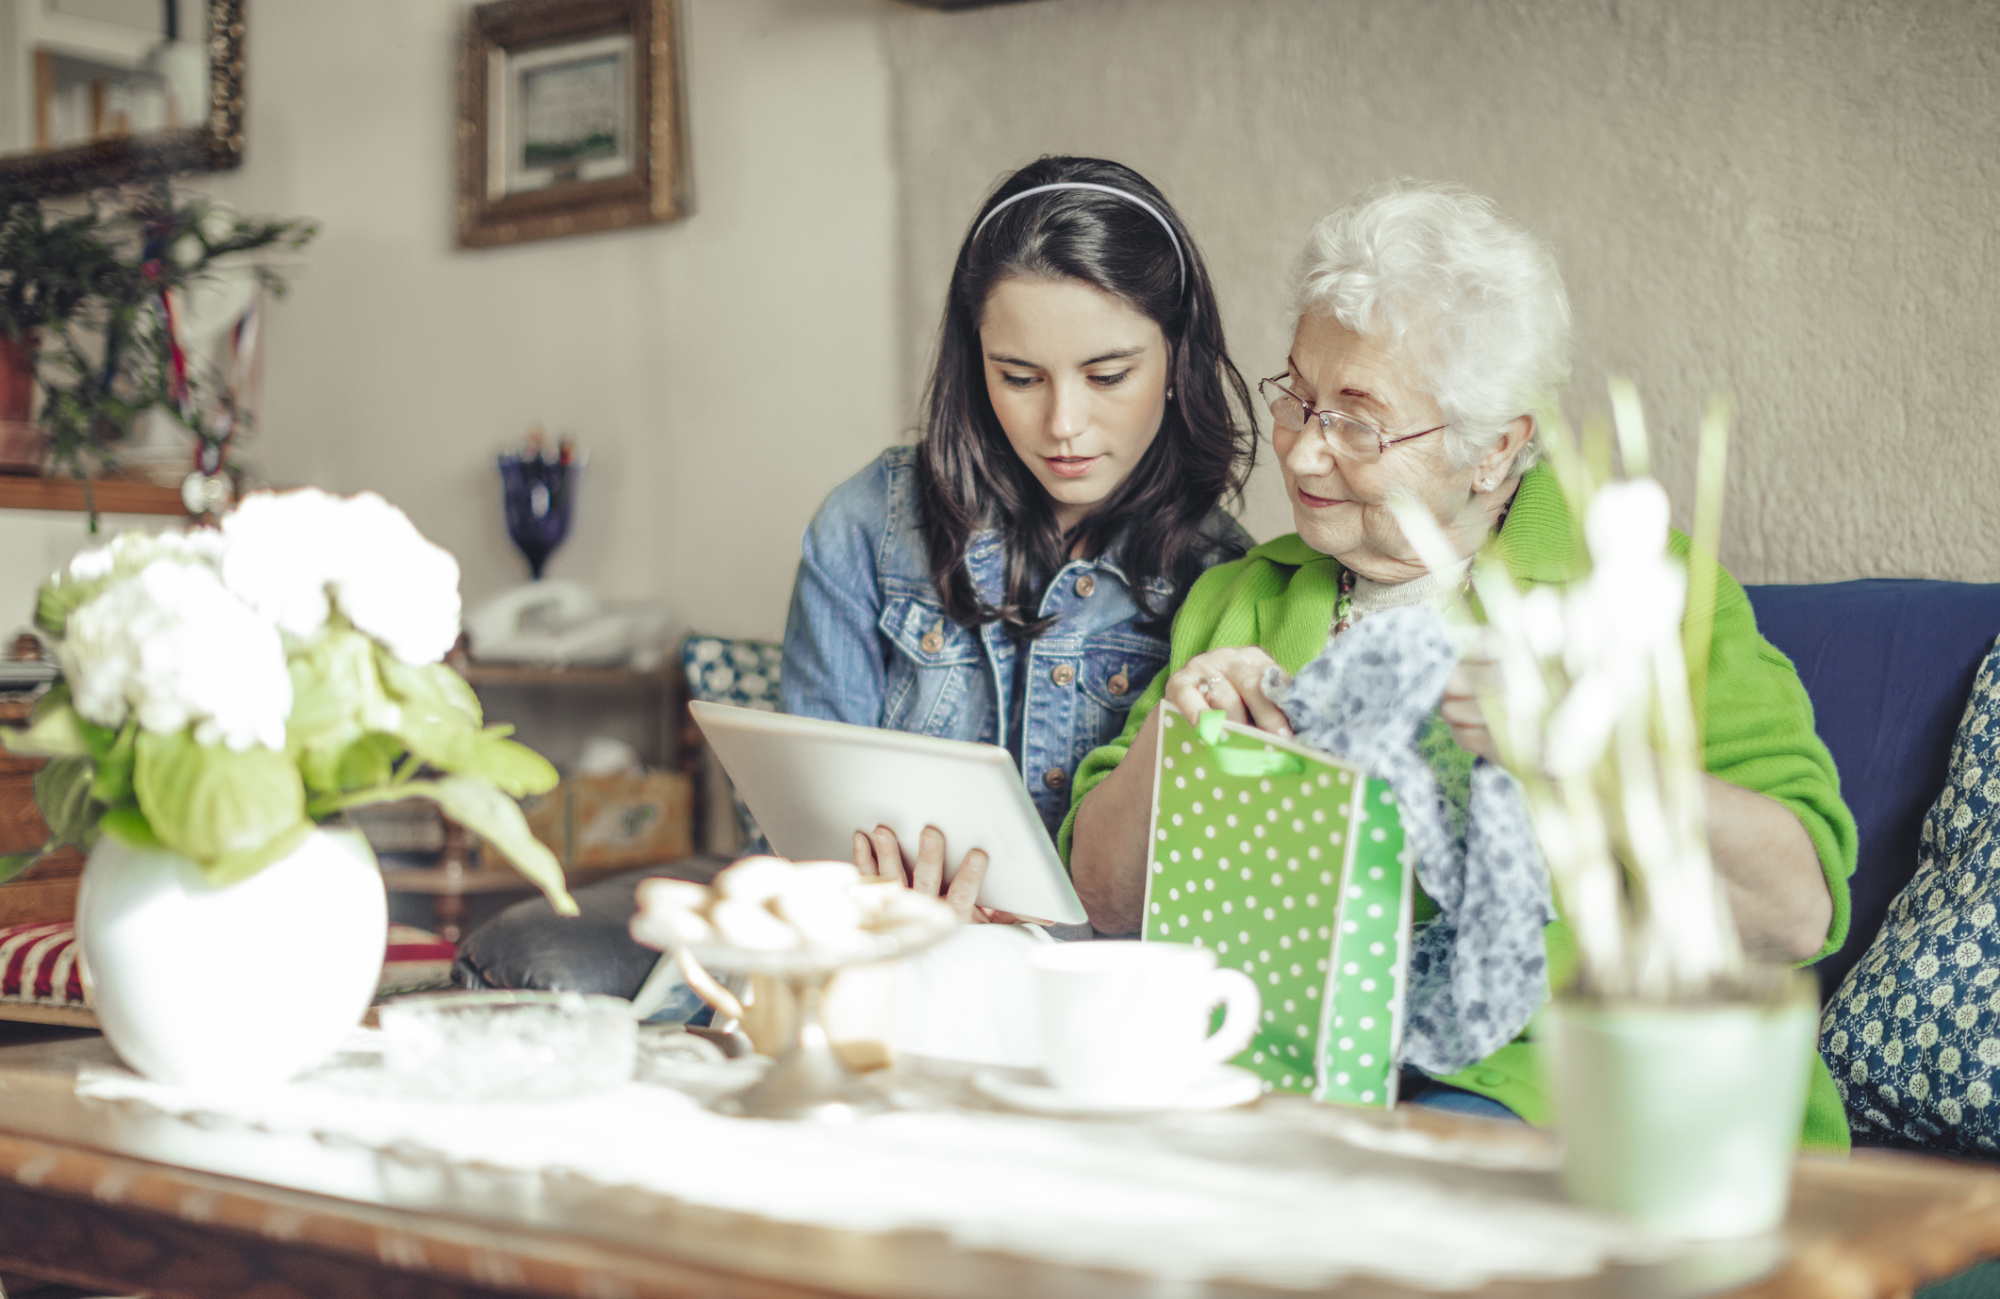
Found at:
<point>1476,301</point>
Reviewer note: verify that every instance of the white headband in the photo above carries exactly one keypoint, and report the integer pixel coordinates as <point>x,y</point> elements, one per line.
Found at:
<point>1127,195</point>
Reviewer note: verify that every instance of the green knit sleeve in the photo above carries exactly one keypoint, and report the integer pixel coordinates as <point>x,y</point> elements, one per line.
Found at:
<point>1760,737</point>
<point>1212,595</point>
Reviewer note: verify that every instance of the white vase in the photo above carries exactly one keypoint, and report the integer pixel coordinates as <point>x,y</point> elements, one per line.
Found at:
<point>1685,1118</point>
<point>240,985</point>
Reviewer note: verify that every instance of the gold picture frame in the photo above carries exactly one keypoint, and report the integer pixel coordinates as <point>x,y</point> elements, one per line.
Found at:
<point>571,119</point>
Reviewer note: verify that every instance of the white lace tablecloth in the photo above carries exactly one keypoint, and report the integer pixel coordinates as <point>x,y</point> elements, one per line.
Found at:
<point>1117,1195</point>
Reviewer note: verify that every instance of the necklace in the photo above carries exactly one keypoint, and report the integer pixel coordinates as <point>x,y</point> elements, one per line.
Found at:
<point>1343,602</point>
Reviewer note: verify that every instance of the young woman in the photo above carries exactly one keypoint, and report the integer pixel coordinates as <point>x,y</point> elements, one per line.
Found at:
<point>1012,577</point>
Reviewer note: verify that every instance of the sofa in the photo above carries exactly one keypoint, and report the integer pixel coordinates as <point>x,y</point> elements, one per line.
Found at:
<point>1889,664</point>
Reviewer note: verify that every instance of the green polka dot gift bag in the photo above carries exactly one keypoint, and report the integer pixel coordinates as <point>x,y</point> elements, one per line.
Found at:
<point>1288,865</point>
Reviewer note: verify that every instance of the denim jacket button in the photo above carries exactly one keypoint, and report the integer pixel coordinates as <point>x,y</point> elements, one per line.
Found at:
<point>1119,683</point>
<point>932,642</point>
<point>1055,777</point>
<point>1063,674</point>
<point>1086,586</point>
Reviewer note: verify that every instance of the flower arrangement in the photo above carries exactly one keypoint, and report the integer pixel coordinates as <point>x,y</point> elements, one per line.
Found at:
<point>225,690</point>
<point>1596,708</point>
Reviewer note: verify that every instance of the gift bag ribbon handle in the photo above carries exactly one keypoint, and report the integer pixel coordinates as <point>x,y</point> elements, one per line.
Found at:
<point>1244,761</point>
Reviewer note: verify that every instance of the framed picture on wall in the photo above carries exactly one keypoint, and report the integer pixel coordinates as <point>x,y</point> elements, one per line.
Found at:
<point>570,119</point>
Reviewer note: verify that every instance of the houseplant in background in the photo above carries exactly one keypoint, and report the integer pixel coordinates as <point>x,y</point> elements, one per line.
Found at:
<point>1679,1068</point>
<point>90,300</point>
<point>227,694</point>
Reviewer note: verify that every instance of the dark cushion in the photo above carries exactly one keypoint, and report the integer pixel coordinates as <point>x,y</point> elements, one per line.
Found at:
<point>1913,1035</point>
<point>1888,663</point>
<point>529,946</point>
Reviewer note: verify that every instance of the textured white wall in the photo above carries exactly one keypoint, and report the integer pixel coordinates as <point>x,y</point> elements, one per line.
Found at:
<point>722,371</point>
<point>1791,199</point>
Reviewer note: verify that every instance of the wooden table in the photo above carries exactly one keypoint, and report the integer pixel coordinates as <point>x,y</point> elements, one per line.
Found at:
<point>123,1199</point>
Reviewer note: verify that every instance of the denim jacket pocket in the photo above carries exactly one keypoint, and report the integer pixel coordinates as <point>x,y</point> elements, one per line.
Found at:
<point>932,669</point>
<point>1116,670</point>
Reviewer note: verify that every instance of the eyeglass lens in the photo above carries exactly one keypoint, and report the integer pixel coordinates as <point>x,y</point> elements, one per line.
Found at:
<point>1343,433</point>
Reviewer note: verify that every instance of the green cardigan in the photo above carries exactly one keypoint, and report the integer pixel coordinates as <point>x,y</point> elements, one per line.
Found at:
<point>1759,733</point>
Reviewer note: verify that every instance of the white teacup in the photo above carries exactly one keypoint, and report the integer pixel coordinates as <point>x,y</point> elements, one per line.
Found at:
<point>1129,1020</point>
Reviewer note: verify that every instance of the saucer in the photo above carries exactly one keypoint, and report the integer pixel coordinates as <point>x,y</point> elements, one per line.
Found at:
<point>1031,1091</point>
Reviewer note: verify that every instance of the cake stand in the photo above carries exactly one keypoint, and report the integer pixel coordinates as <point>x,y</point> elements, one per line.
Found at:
<point>808,1080</point>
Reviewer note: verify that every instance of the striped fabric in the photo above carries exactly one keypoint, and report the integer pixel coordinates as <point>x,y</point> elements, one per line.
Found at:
<point>38,964</point>
<point>408,943</point>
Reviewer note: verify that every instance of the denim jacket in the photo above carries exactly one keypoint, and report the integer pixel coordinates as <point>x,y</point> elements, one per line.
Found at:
<point>867,640</point>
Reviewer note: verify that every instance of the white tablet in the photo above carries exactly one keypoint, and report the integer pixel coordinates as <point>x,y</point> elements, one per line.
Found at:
<point>811,784</point>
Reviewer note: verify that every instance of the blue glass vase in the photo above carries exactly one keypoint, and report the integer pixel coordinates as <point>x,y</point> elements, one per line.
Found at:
<point>538,496</point>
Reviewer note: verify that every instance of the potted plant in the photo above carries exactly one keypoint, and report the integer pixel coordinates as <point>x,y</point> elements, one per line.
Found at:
<point>227,694</point>
<point>1679,1068</point>
<point>86,312</point>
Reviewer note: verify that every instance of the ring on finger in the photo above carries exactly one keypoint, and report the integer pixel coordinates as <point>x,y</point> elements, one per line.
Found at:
<point>1208,687</point>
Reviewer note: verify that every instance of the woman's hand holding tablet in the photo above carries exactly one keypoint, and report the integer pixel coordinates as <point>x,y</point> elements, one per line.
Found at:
<point>880,854</point>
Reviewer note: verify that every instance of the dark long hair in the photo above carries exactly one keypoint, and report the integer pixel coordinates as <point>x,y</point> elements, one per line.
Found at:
<point>969,475</point>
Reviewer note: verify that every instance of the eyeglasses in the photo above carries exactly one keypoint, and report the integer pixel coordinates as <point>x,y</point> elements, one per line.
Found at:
<point>1343,434</point>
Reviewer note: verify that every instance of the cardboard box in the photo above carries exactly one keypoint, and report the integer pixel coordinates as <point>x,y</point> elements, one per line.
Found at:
<point>607,822</point>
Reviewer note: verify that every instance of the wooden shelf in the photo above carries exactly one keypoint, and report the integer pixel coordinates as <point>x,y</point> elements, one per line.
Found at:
<point>114,495</point>
<point>500,878</point>
<point>524,674</point>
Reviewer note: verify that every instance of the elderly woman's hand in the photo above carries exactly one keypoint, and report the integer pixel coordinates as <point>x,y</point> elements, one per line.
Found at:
<point>1476,674</point>
<point>1231,680</point>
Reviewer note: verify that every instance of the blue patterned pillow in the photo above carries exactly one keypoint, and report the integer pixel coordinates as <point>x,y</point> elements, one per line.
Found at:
<point>740,672</point>
<point>1913,1035</point>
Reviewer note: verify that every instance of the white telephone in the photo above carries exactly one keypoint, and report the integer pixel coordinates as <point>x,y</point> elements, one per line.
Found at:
<point>553,622</point>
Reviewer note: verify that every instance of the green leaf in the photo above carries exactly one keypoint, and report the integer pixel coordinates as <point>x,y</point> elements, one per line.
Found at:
<point>369,761</point>
<point>210,801</point>
<point>440,724</point>
<point>53,730</point>
<point>486,755</point>
<point>337,698</point>
<point>114,767</point>
<point>99,740</point>
<point>129,826</point>
<point>494,817</point>
<point>434,687</point>
<point>61,596</point>
<point>234,868</point>
<point>62,792</point>
<point>14,863</point>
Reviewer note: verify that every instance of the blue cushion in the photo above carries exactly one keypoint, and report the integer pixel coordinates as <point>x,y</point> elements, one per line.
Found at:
<point>1913,1035</point>
<point>1888,663</point>
<point>740,672</point>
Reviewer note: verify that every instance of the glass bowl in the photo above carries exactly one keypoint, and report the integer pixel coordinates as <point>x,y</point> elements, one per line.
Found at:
<point>510,1046</point>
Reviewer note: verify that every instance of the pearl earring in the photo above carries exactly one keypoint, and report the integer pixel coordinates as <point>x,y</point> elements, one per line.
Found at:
<point>1170,394</point>
<point>1486,484</point>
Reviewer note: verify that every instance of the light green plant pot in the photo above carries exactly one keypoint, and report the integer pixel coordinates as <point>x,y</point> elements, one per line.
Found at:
<point>1684,1119</point>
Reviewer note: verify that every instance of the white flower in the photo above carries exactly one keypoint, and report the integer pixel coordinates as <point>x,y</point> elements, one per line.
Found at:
<point>294,556</point>
<point>171,646</point>
<point>126,554</point>
<point>278,556</point>
<point>395,584</point>
<point>129,552</point>
<point>1626,521</point>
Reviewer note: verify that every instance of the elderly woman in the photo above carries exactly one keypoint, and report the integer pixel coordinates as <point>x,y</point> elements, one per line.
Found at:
<point>1428,331</point>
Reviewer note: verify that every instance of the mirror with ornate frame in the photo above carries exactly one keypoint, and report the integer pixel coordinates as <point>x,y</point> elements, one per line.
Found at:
<point>101,92</point>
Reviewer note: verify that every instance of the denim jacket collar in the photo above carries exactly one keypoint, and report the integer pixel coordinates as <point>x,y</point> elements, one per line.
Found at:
<point>986,564</point>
